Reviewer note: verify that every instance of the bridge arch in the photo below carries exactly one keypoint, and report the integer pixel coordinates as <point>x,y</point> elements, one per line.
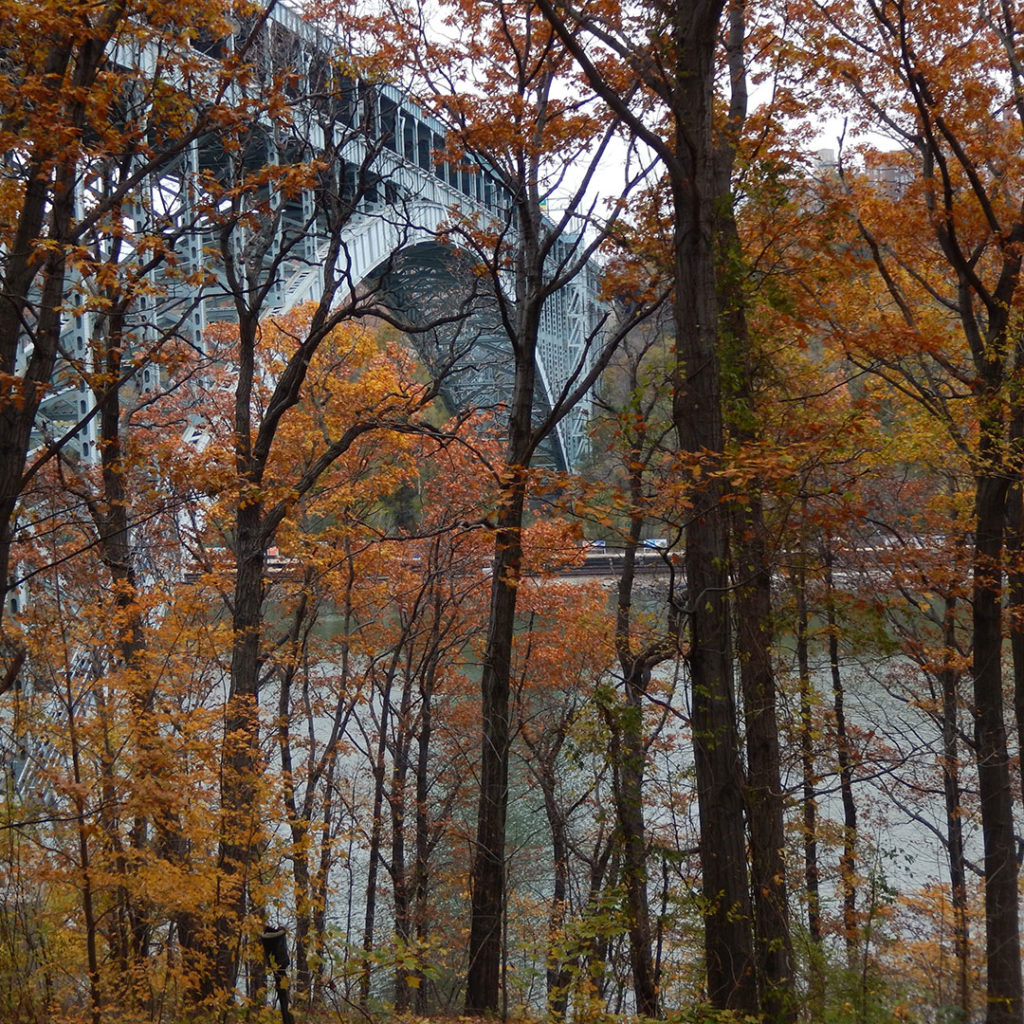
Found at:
<point>388,151</point>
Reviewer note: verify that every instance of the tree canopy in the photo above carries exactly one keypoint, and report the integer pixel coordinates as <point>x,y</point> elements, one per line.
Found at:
<point>521,499</point>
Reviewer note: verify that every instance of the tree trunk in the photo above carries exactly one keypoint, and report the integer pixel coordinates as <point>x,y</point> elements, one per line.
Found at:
<point>844,750</point>
<point>82,815</point>
<point>558,975</point>
<point>400,876</point>
<point>816,980</point>
<point>240,761</point>
<point>325,862</point>
<point>1002,943</point>
<point>1015,587</point>
<point>483,978</point>
<point>376,837</point>
<point>765,796</point>
<point>627,748</point>
<point>299,827</point>
<point>110,512</point>
<point>765,799</point>
<point>697,415</point>
<point>949,678</point>
<point>421,877</point>
<point>488,876</point>
<point>627,756</point>
<point>33,282</point>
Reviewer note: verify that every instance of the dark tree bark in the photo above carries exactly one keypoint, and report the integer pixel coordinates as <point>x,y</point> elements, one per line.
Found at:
<point>764,792</point>
<point>949,678</point>
<point>32,286</point>
<point>1015,585</point>
<point>697,412</point>
<point>753,565</point>
<point>684,84</point>
<point>401,877</point>
<point>844,753</point>
<point>488,876</point>
<point>1001,898</point>
<point>375,838</point>
<point>421,870</point>
<point>809,803</point>
<point>627,755</point>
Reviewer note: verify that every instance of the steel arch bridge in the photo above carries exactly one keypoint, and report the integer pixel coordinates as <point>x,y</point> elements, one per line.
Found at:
<point>386,157</point>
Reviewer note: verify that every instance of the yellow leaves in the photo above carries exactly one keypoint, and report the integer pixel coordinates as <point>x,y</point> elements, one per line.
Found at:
<point>12,390</point>
<point>551,545</point>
